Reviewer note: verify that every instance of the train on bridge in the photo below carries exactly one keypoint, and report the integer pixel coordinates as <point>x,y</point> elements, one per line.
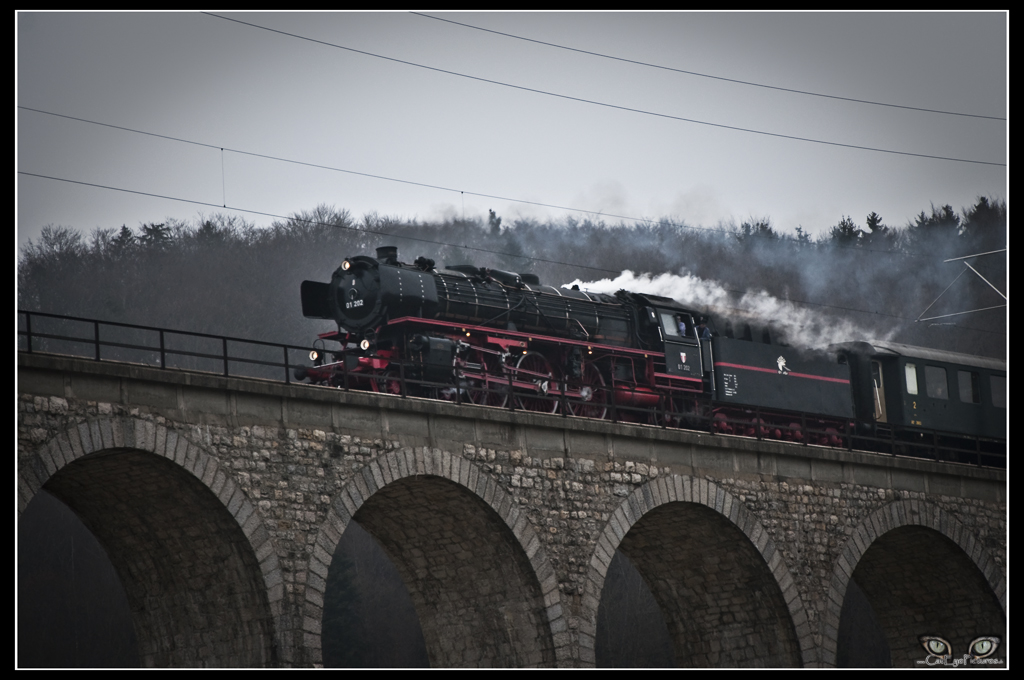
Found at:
<point>503,339</point>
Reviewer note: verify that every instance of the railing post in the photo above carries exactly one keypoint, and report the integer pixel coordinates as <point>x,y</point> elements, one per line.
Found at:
<point>96,336</point>
<point>163,360</point>
<point>287,373</point>
<point>224,346</point>
<point>401,379</point>
<point>511,393</point>
<point>28,332</point>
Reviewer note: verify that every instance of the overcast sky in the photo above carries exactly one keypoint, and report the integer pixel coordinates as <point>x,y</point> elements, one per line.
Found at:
<point>225,84</point>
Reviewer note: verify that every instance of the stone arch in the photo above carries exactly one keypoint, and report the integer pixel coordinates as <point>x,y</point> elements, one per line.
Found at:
<point>503,586</point>
<point>928,569</point>
<point>193,555</point>
<point>659,514</point>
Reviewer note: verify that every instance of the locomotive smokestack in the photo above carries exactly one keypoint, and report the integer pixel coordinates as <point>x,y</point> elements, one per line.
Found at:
<point>387,254</point>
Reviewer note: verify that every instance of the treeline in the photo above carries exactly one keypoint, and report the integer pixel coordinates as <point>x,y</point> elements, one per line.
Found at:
<point>221,274</point>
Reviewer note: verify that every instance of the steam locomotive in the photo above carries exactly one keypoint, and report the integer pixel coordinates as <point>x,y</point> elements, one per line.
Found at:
<point>500,338</point>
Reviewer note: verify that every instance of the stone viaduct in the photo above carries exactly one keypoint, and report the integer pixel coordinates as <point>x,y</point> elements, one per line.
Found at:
<point>221,501</point>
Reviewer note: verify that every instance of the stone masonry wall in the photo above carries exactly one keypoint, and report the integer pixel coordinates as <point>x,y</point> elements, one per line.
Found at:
<point>551,499</point>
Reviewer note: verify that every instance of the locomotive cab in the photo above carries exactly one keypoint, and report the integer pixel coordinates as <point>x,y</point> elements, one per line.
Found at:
<point>682,349</point>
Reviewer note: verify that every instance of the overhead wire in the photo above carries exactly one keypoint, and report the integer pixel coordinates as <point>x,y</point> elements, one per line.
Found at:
<point>639,220</point>
<point>604,104</point>
<point>705,75</point>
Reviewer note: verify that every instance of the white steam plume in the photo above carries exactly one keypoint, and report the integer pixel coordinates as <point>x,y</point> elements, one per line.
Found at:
<point>801,327</point>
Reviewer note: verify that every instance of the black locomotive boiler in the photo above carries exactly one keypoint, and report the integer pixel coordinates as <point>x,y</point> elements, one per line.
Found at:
<point>499,338</point>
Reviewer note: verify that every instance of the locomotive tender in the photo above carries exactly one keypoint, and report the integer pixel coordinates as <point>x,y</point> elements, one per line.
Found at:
<point>499,338</point>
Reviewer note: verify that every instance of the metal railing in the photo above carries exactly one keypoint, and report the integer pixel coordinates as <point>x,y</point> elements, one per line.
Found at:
<point>241,357</point>
<point>39,332</point>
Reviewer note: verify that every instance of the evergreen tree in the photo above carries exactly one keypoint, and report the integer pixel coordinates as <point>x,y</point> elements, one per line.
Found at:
<point>494,222</point>
<point>846,233</point>
<point>984,226</point>
<point>757,229</point>
<point>157,236</point>
<point>123,243</point>
<point>942,223</point>
<point>878,236</point>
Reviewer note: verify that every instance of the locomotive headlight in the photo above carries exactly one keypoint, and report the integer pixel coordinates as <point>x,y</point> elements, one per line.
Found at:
<point>346,265</point>
<point>313,355</point>
<point>364,344</point>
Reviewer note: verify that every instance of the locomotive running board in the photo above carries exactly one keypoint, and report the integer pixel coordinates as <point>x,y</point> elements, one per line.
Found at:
<point>525,337</point>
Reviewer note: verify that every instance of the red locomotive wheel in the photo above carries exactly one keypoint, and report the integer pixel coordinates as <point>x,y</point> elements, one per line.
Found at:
<point>662,415</point>
<point>534,367</point>
<point>793,433</point>
<point>388,382</point>
<point>759,428</point>
<point>494,391</point>
<point>593,401</point>
<point>720,423</point>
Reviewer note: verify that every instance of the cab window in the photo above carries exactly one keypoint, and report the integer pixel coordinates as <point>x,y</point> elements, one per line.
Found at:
<point>670,325</point>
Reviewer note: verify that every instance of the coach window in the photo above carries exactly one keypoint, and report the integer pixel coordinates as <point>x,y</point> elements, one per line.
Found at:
<point>876,379</point>
<point>935,382</point>
<point>968,381</point>
<point>998,391</point>
<point>911,370</point>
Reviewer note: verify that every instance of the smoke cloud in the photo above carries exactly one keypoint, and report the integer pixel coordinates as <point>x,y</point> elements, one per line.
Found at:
<point>800,326</point>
